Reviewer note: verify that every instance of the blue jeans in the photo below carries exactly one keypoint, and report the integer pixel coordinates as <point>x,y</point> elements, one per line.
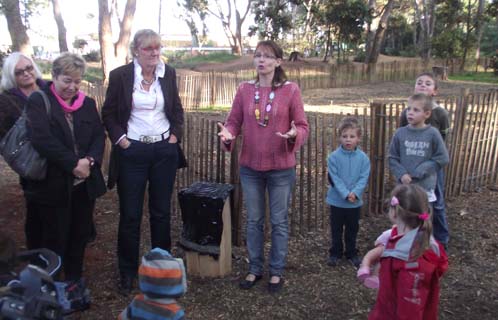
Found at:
<point>139,164</point>
<point>279,184</point>
<point>439,223</point>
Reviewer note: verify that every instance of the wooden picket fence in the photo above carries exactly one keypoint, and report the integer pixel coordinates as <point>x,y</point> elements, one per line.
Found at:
<point>209,89</point>
<point>472,144</point>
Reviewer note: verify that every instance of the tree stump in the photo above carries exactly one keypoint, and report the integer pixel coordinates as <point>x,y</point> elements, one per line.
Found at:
<point>294,56</point>
<point>440,72</point>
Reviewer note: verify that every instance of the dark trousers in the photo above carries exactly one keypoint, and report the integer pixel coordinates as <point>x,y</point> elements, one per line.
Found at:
<point>65,230</point>
<point>142,163</point>
<point>344,221</point>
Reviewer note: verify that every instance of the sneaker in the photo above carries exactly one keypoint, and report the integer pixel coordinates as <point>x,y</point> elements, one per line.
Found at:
<point>333,261</point>
<point>355,261</point>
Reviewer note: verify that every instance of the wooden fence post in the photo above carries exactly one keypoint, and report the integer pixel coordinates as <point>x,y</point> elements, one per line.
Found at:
<point>456,146</point>
<point>377,155</point>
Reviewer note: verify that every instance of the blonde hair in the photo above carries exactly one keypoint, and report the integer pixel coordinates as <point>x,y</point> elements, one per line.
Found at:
<point>144,38</point>
<point>67,64</point>
<point>414,210</point>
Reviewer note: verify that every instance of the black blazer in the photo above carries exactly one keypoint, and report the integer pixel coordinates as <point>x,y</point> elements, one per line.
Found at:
<point>116,110</point>
<point>54,141</point>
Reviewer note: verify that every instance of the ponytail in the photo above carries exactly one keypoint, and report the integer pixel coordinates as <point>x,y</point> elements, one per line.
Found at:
<point>412,206</point>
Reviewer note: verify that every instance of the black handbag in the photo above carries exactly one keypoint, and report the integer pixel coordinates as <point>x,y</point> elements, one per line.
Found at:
<point>18,152</point>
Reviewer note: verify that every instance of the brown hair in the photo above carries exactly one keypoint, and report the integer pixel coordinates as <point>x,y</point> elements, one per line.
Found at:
<point>279,77</point>
<point>349,122</point>
<point>413,202</point>
<point>427,101</point>
<point>430,75</point>
<point>67,64</point>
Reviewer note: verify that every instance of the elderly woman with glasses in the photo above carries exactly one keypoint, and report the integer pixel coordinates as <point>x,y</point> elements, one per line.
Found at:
<point>20,77</point>
<point>72,139</point>
<point>144,118</point>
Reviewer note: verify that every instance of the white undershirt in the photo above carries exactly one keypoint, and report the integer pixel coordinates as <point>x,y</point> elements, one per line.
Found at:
<point>147,116</point>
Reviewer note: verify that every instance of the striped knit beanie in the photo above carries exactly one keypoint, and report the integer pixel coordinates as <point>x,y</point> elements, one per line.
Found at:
<point>161,276</point>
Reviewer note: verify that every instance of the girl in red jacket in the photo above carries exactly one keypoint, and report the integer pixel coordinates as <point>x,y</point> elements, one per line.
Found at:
<point>412,262</point>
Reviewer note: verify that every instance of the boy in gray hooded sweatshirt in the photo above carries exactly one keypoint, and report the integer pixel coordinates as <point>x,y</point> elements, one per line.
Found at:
<point>417,151</point>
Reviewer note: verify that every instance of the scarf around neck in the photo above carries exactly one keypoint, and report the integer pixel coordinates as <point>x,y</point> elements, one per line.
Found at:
<point>77,103</point>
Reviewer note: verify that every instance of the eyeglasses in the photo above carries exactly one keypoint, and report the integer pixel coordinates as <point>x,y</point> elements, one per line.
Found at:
<point>265,56</point>
<point>149,49</point>
<point>20,72</point>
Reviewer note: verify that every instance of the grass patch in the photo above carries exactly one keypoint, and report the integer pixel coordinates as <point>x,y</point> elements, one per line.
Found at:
<point>487,77</point>
<point>187,61</point>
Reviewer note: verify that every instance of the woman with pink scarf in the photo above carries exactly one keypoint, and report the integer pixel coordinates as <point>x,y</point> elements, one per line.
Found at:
<point>71,138</point>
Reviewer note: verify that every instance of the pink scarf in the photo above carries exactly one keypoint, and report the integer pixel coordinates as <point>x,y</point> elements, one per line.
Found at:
<point>69,108</point>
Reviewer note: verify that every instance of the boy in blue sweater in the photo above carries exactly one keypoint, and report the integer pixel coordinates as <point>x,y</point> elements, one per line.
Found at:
<point>348,169</point>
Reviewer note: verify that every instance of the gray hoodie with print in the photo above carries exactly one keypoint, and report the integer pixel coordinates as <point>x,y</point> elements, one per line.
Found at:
<point>420,152</point>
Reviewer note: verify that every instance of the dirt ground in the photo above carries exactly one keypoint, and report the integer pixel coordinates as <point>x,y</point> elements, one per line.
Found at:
<point>312,289</point>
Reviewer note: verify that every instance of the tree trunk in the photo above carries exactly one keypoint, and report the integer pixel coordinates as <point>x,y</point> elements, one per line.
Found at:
<point>114,55</point>
<point>60,26</point>
<point>373,55</point>
<point>17,30</point>
<point>233,34</point>
<point>370,34</point>
<point>424,12</point>
<point>479,17</point>
<point>467,37</point>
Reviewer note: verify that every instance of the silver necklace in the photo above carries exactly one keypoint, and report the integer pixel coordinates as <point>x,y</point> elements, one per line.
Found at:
<point>147,82</point>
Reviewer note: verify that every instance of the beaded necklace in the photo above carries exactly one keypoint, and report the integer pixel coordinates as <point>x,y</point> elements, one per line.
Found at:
<point>257,112</point>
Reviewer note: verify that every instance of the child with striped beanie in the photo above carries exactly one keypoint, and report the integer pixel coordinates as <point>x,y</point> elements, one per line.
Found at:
<point>162,279</point>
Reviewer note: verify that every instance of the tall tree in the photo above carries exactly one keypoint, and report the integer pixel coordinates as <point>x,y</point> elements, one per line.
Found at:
<point>233,31</point>
<point>114,54</point>
<point>60,26</point>
<point>425,15</point>
<point>273,18</point>
<point>479,29</point>
<point>17,29</point>
<point>374,47</point>
<point>191,10</point>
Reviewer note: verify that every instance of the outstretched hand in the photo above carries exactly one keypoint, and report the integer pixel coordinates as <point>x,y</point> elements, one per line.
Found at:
<point>291,134</point>
<point>224,134</point>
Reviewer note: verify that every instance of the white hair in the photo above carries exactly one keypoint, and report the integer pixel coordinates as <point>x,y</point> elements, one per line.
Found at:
<point>9,65</point>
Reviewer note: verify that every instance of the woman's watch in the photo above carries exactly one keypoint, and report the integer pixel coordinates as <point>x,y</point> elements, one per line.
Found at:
<point>91,160</point>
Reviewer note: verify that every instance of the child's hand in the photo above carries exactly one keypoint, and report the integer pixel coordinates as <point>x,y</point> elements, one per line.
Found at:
<point>351,197</point>
<point>406,179</point>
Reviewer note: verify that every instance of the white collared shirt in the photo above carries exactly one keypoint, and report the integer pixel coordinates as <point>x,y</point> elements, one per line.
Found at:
<point>147,116</point>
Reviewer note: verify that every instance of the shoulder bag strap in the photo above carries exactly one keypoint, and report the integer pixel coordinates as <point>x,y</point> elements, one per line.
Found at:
<point>47,103</point>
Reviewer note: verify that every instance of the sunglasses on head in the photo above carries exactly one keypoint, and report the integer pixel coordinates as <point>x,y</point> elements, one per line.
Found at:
<point>20,72</point>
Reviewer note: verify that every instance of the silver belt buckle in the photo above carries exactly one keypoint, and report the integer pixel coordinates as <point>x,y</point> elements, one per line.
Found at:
<point>146,139</point>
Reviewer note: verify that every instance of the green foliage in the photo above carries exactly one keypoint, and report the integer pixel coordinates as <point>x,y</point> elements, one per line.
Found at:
<point>399,37</point>
<point>187,61</point>
<point>489,41</point>
<point>448,44</point>
<point>347,19</point>
<point>487,77</point>
<point>92,56</point>
<point>273,19</point>
<point>360,56</point>
<point>79,43</point>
